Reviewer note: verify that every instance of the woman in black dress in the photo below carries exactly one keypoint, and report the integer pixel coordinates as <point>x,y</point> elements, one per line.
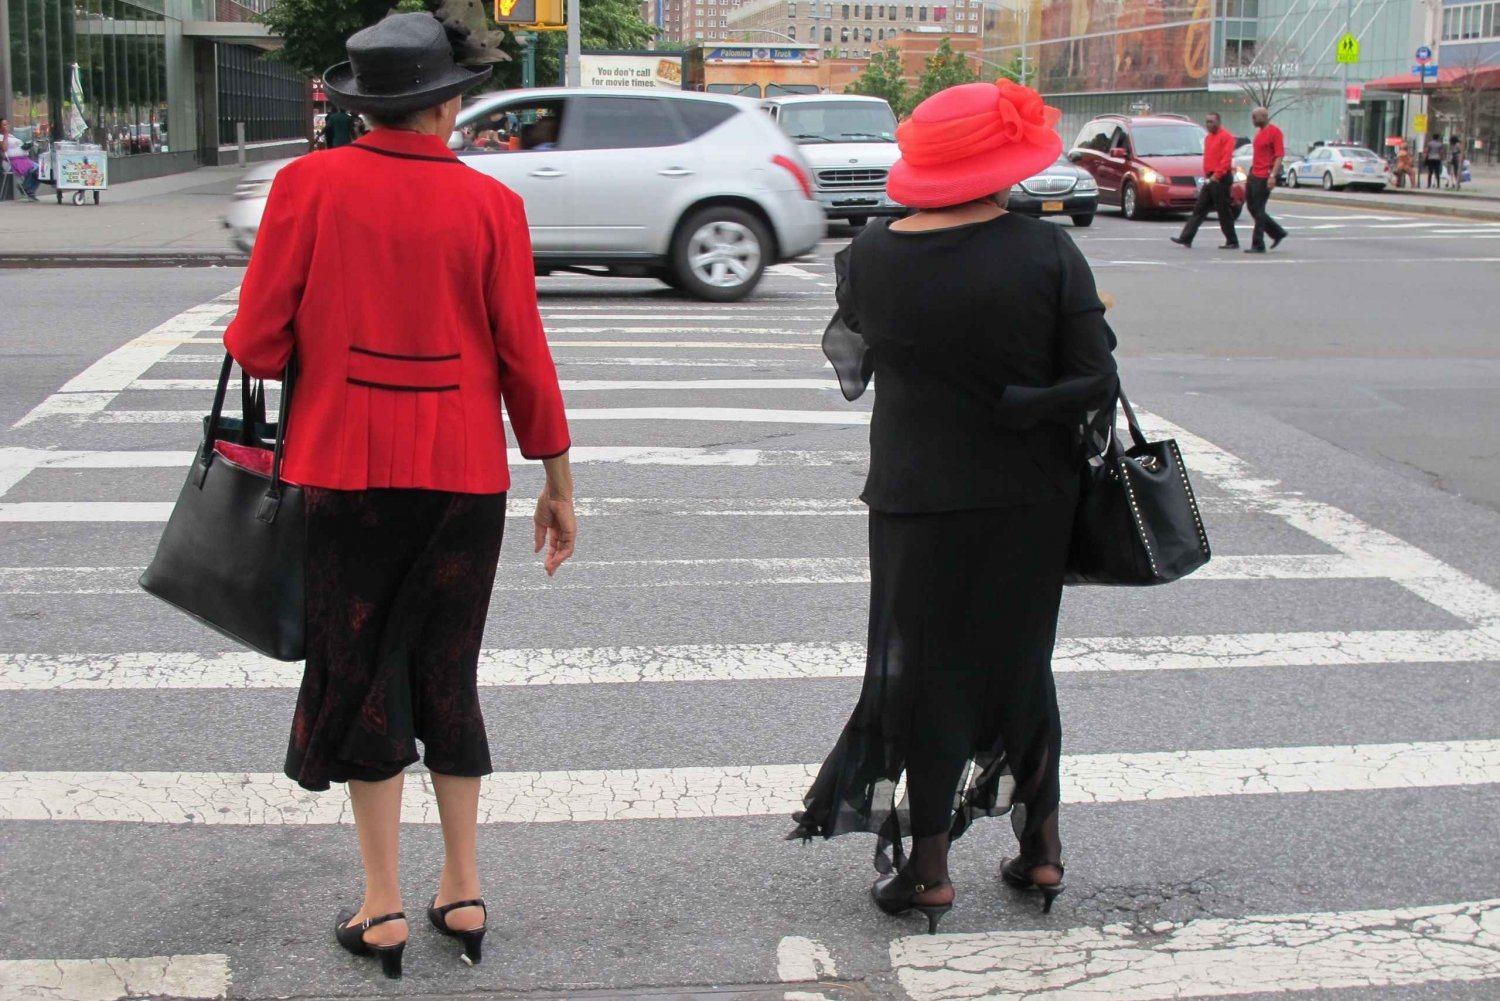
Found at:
<point>988,342</point>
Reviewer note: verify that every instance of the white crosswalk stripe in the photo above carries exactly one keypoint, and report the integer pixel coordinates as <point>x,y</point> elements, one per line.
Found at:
<point>682,461</point>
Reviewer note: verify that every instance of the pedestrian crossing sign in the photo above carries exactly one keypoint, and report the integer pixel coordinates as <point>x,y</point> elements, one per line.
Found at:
<point>1348,49</point>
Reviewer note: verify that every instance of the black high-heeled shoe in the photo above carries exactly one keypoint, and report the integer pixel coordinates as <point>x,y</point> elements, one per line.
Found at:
<point>352,937</point>
<point>472,938</point>
<point>895,895</point>
<point>1018,871</point>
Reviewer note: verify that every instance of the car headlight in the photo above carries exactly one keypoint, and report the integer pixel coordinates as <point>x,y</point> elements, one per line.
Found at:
<point>1086,184</point>
<point>1149,176</point>
<point>1240,175</point>
<point>1017,189</point>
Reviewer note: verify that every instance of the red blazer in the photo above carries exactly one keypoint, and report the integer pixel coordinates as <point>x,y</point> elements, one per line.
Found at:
<point>403,281</point>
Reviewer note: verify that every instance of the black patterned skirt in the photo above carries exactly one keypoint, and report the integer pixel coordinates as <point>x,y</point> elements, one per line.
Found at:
<point>958,682</point>
<point>398,588</point>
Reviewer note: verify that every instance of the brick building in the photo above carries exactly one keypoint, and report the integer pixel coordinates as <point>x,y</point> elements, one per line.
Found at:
<point>853,30</point>
<point>915,48</point>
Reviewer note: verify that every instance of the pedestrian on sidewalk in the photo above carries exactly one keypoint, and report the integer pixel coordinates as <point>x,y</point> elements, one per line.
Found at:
<point>1406,171</point>
<point>1436,154</point>
<point>1456,162</point>
<point>1217,190</point>
<point>24,167</point>
<point>1265,168</point>
<point>410,322</point>
<point>973,480</point>
<point>338,128</point>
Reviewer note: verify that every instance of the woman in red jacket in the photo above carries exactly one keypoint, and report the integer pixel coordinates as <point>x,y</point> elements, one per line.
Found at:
<point>401,282</point>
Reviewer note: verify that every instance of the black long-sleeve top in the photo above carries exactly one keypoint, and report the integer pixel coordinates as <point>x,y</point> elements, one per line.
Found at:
<point>989,348</point>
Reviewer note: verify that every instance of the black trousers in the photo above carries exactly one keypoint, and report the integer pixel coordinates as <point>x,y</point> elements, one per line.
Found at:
<point>1434,173</point>
<point>1215,195</point>
<point>1258,194</point>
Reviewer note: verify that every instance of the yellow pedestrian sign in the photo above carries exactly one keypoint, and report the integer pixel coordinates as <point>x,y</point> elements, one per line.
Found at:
<point>1348,49</point>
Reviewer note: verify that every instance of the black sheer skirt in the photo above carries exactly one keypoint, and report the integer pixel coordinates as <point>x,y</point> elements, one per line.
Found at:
<point>958,695</point>
<point>398,590</point>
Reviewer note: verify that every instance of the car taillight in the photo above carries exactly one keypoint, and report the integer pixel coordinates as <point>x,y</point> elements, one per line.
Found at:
<point>1348,165</point>
<point>795,169</point>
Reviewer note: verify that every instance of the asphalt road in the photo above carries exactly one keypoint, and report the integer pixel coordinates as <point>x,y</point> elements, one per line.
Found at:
<point>1283,774</point>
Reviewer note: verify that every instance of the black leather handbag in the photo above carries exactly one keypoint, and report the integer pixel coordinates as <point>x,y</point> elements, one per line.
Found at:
<point>232,555</point>
<point>1137,522</point>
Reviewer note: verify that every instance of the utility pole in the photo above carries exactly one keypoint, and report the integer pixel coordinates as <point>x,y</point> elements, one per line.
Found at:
<point>575,46</point>
<point>1348,30</point>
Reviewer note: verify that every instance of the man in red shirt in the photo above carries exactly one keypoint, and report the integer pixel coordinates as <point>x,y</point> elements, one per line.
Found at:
<point>1270,150</point>
<point>1218,182</point>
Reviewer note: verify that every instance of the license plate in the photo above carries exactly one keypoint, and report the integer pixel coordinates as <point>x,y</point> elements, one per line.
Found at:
<point>1052,206</point>
<point>1369,170</point>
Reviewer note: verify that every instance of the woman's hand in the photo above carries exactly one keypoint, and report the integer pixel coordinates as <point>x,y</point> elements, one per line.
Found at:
<point>556,528</point>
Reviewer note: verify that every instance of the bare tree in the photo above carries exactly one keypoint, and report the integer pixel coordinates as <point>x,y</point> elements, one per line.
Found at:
<point>1275,78</point>
<point>1471,98</point>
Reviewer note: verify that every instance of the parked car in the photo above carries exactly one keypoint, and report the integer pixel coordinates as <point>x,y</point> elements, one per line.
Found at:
<point>1244,156</point>
<point>850,143</point>
<point>1061,189</point>
<point>701,191</point>
<point>1331,167</point>
<point>1147,163</point>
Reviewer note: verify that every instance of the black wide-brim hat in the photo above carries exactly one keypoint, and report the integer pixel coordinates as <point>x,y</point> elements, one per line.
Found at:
<point>401,65</point>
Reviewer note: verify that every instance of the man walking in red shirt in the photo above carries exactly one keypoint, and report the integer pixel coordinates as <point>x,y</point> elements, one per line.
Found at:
<point>1270,150</point>
<point>1215,191</point>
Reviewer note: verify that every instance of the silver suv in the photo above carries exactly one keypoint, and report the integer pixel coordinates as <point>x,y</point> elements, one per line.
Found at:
<point>700,191</point>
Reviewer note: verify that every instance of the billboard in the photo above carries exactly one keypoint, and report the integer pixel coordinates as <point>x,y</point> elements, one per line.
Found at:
<point>632,70</point>
<point>1091,46</point>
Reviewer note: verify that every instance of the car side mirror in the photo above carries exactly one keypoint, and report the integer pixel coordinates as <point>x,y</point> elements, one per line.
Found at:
<point>1119,153</point>
<point>456,140</point>
<point>1076,156</point>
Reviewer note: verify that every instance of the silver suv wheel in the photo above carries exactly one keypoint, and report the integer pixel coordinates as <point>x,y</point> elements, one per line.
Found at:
<point>724,253</point>
<point>720,253</point>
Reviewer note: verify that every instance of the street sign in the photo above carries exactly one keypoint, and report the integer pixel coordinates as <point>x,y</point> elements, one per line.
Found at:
<point>1428,72</point>
<point>1347,51</point>
<point>1424,55</point>
<point>1419,124</point>
<point>1353,94</point>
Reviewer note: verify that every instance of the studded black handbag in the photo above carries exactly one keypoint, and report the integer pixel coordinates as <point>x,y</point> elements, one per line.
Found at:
<point>233,552</point>
<point>1137,522</point>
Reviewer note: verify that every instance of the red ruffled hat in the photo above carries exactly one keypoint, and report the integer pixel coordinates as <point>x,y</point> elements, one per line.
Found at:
<point>970,141</point>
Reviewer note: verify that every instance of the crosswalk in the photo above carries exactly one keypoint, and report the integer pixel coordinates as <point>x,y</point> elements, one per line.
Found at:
<point>674,688</point>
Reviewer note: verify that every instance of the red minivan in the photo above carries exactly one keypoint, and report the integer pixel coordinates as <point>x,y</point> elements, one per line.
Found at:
<point>1147,163</point>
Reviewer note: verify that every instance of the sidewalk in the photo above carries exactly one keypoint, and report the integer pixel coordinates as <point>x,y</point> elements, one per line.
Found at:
<point>165,220</point>
<point>1480,199</point>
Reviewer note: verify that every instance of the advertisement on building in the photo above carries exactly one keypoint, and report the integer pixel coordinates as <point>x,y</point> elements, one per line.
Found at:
<point>632,70</point>
<point>1097,45</point>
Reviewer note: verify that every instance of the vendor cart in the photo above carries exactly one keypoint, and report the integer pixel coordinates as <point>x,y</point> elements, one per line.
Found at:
<point>76,167</point>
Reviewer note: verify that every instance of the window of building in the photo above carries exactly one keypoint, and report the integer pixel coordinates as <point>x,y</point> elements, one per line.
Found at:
<point>828,10</point>
<point>791,10</point>
<point>846,12</point>
<point>880,34</point>
<point>869,34</point>
<point>843,34</point>
<point>827,34</point>
<point>911,13</point>
<point>869,12</point>
<point>922,13</point>
<point>791,31</point>
<point>939,13</point>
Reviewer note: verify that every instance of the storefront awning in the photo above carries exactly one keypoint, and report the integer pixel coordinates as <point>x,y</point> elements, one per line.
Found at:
<point>1448,78</point>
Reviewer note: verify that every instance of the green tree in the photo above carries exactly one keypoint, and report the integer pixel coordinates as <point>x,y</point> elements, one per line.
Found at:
<point>314,31</point>
<point>945,68</point>
<point>607,24</point>
<point>1015,71</point>
<point>884,77</point>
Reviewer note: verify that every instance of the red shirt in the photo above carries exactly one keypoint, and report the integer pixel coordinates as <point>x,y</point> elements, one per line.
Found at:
<point>403,281</point>
<point>1270,146</point>
<point>1218,154</point>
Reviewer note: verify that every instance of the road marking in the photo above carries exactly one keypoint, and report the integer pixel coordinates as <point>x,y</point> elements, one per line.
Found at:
<point>1211,957</point>
<point>725,572</point>
<point>28,672</point>
<point>574,385</point>
<point>802,960</point>
<point>92,389</point>
<point>717,415</point>
<point>789,271</point>
<point>185,977</point>
<point>270,799</point>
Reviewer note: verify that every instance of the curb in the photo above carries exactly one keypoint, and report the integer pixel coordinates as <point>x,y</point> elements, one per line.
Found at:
<point>124,259</point>
<point>1488,213</point>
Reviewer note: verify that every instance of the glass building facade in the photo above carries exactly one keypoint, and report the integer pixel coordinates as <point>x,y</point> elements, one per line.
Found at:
<point>1191,57</point>
<point>160,85</point>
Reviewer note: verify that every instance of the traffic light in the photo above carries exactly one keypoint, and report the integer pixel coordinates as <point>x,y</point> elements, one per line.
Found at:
<point>535,15</point>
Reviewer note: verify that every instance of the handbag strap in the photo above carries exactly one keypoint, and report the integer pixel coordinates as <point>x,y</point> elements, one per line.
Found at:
<point>215,414</point>
<point>1136,434</point>
<point>272,501</point>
